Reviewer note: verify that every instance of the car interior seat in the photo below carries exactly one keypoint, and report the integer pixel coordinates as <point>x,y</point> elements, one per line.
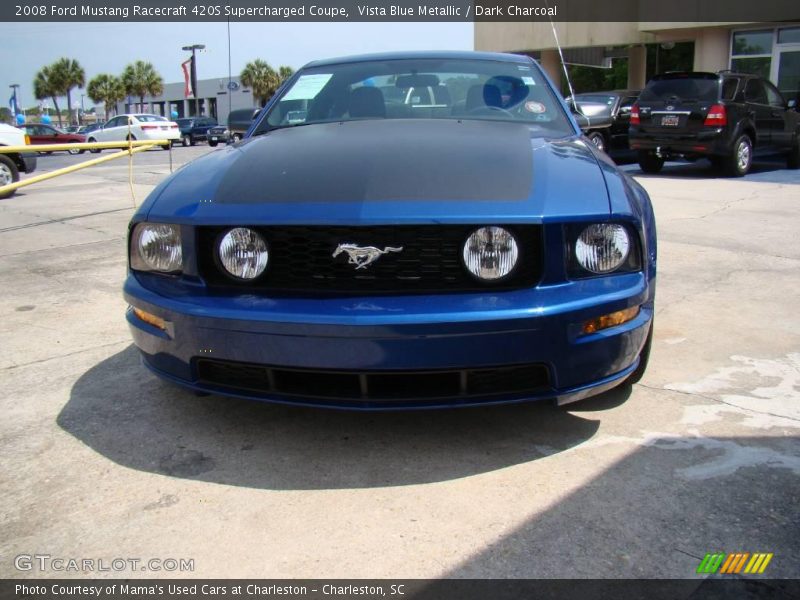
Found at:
<point>367,102</point>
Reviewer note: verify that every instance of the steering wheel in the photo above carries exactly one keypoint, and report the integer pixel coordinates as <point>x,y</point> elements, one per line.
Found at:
<point>492,110</point>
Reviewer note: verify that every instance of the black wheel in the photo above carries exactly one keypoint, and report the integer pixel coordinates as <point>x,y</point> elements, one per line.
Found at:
<point>598,140</point>
<point>167,146</point>
<point>212,144</point>
<point>8,174</point>
<point>793,158</point>
<point>649,162</point>
<point>739,161</point>
<point>237,137</point>
<point>94,150</point>
<point>644,358</point>
<point>75,151</point>
<point>186,140</point>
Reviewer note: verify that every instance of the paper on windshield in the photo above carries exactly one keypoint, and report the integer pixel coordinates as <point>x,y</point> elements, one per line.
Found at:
<point>307,87</point>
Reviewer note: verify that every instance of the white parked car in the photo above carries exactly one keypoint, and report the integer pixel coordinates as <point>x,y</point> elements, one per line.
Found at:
<point>141,127</point>
<point>11,165</point>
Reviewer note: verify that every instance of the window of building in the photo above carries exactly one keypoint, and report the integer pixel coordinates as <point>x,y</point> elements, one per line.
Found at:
<point>751,52</point>
<point>790,35</point>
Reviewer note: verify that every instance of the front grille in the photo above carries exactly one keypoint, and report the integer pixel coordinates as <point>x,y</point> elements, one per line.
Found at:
<point>301,260</point>
<point>369,386</point>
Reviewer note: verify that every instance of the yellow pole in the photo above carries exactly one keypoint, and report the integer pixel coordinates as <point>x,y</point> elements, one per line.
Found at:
<point>73,168</point>
<point>81,146</point>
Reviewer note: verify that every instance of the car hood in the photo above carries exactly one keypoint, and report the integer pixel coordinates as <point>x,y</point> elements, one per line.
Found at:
<point>388,171</point>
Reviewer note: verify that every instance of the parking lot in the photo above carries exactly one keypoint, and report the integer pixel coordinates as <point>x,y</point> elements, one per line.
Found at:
<point>99,459</point>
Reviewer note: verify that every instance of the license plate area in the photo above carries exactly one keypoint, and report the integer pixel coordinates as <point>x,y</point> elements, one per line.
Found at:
<point>670,120</point>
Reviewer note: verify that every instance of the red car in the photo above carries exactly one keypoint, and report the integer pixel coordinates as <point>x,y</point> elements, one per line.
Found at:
<point>47,134</point>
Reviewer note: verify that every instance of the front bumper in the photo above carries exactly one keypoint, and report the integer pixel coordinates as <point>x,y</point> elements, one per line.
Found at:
<point>396,335</point>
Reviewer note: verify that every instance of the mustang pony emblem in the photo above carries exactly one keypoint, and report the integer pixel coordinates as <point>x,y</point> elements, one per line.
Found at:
<point>363,256</point>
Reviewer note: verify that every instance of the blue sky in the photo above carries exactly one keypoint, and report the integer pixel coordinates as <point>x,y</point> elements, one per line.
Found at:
<point>108,47</point>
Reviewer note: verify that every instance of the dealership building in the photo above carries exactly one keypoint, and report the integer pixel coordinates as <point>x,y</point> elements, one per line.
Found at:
<point>215,98</point>
<point>771,50</point>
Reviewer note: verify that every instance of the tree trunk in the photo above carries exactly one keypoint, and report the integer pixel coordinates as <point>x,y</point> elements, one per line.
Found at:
<point>141,103</point>
<point>58,112</point>
<point>69,108</point>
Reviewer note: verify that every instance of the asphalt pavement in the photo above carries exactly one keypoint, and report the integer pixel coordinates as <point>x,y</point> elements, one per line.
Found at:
<point>99,459</point>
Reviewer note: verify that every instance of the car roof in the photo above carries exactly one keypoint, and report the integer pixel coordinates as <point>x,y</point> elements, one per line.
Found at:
<point>440,54</point>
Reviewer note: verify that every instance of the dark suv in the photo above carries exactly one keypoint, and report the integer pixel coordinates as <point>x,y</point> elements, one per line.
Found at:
<point>726,117</point>
<point>195,129</point>
<point>239,122</point>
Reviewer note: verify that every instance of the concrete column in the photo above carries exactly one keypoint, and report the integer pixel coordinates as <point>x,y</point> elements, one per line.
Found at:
<point>711,49</point>
<point>551,63</point>
<point>637,67</point>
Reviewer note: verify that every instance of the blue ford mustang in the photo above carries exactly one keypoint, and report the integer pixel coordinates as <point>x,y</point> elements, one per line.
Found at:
<point>409,230</point>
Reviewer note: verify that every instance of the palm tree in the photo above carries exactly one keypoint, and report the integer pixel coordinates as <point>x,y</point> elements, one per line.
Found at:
<point>47,85</point>
<point>69,74</point>
<point>141,79</point>
<point>261,78</point>
<point>285,72</point>
<point>106,89</point>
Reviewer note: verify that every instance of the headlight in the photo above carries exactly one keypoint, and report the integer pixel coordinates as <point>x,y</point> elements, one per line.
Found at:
<point>243,253</point>
<point>602,248</point>
<point>490,253</point>
<point>156,247</point>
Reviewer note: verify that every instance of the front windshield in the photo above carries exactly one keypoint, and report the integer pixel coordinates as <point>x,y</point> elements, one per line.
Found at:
<point>419,89</point>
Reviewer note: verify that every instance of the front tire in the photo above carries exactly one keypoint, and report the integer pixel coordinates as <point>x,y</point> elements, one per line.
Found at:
<point>649,162</point>
<point>93,150</point>
<point>8,174</point>
<point>212,144</point>
<point>75,151</point>
<point>739,161</point>
<point>186,140</point>
<point>237,137</point>
<point>598,140</point>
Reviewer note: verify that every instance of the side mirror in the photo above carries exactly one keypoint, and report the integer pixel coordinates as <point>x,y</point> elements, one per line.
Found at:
<point>625,110</point>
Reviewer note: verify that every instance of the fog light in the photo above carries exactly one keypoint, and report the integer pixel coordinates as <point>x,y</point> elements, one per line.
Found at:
<point>611,320</point>
<point>150,319</point>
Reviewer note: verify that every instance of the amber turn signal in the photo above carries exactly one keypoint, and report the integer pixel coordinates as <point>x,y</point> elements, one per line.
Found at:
<point>611,320</point>
<point>150,319</point>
